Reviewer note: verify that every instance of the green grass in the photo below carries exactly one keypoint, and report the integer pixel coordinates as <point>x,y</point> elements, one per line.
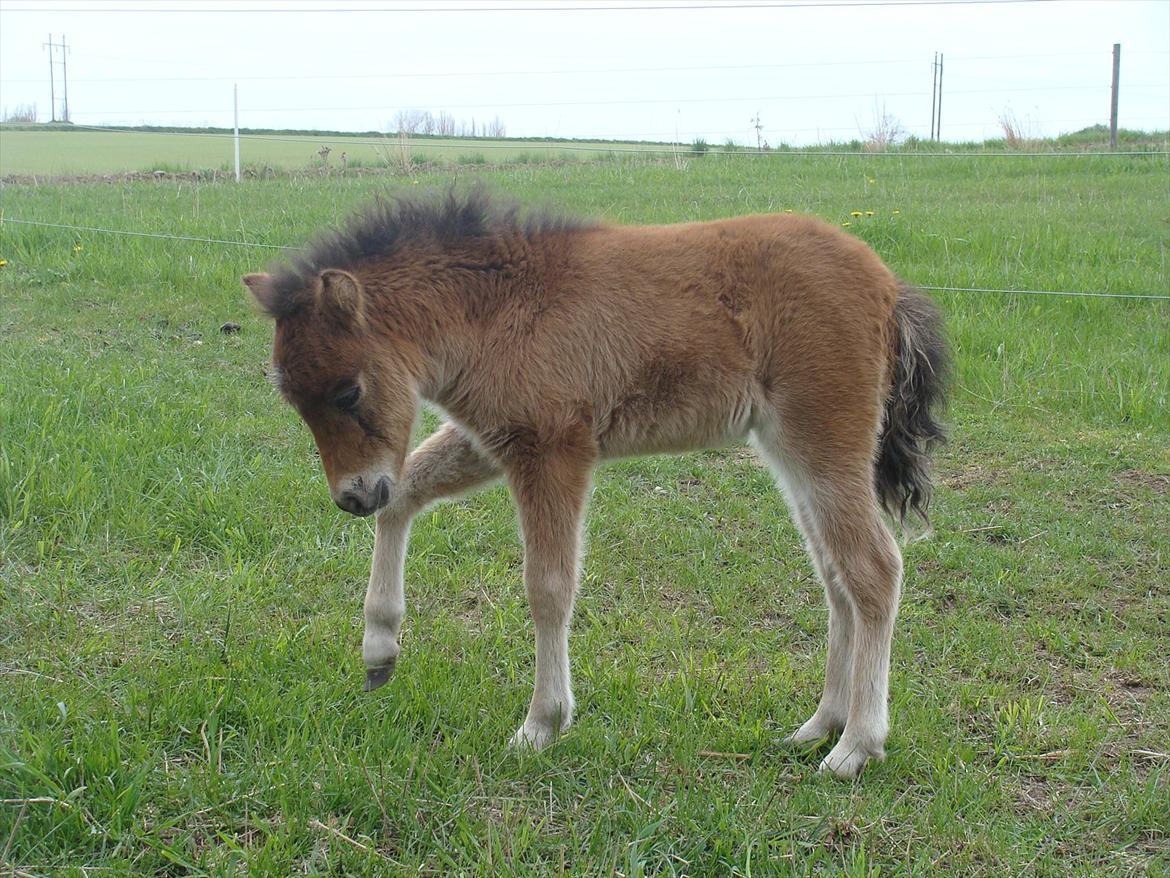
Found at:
<point>62,151</point>
<point>59,152</point>
<point>180,603</point>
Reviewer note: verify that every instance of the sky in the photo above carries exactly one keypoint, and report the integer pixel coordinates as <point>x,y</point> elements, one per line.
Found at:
<point>810,71</point>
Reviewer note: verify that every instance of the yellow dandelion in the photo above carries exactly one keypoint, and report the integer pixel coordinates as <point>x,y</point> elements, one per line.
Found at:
<point>869,213</point>
<point>3,262</point>
<point>846,224</point>
<point>870,180</point>
<point>855,213</point>
<point>76,248</point>
<point>788,210</point>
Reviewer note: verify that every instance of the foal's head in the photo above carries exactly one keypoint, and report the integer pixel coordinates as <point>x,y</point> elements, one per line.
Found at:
<point>349,379</point>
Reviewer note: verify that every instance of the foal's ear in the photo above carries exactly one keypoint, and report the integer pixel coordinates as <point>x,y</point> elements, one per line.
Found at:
<point>263,290</point>
<point>341,295</point>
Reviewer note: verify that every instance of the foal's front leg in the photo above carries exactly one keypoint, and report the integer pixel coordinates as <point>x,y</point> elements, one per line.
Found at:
<point>446,464</point>
<point>550,496</point>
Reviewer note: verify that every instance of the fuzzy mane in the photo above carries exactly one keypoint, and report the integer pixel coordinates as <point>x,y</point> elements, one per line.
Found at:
<point>385,225</point>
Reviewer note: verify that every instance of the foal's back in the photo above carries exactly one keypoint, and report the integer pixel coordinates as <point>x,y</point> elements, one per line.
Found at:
<point>677,335</point>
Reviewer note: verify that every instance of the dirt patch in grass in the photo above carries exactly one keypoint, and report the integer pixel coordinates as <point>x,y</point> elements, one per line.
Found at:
<point>1158,483</point>
<point>967,476</point>
<point>1129,699</point>
<point>1032,793</point>
<point>469,608</point>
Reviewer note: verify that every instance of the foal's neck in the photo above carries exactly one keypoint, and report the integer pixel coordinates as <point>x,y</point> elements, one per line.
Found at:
<point>426,316</point>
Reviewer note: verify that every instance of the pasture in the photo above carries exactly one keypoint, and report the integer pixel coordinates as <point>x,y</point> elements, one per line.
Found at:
<point>180,602</point>
<point>60,152</point>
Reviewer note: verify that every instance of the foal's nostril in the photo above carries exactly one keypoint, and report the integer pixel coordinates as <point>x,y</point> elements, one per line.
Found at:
<point>359,500</point>
<point>351,503</point>
<point>382,493</point>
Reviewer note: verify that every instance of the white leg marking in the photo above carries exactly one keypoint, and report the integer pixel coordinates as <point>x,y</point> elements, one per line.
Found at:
<point>552,509</point>
<point>385,604</point>
<point>833,708</point>
<point>859,563</point>
<point>551,709</point>
<point>868,722</point>
<point>447,463</point>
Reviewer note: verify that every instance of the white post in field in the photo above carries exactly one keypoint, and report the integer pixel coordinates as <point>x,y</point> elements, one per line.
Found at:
<point>1113,96</point>
<point>236,103</point>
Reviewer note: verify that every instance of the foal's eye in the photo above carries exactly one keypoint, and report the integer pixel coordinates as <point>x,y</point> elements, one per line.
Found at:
<point>348,398</point>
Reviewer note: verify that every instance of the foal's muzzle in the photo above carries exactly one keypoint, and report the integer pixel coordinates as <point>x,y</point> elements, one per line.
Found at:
<point>363,499</point>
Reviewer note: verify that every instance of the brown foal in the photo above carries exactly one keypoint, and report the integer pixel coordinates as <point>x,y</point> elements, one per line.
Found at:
<point>552,345</point>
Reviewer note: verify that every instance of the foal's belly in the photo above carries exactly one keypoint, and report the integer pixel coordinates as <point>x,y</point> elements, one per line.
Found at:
<point>687,427</point>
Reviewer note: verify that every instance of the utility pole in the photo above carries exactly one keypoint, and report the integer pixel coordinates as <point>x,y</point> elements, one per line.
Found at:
<point>1113,100</point>
<point>52,90</point>
<point>933,91</point>
<point>52,78</point>
<point>65,77</point>
<point>236,110</point>
<point>938,117</point>
<point>936,97</point>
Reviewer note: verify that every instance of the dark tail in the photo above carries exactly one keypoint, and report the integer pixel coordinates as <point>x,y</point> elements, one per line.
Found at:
<point>912,429</point>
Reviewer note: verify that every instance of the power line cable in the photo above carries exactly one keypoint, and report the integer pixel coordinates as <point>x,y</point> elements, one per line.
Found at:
<point>674,7</point>
<point>573,72</point>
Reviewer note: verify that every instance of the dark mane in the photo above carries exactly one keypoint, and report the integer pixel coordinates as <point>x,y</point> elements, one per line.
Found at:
<point>386,224</point>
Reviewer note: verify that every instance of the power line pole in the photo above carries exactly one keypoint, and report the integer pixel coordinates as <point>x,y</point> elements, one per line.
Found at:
<point>1113,100</point>
<point>936,68</point>
<point>52,90</point>
<point>938,122</point>
<point>65,77</point>
<point>236,113</point>
<point>933,91</point>
<point>53,78</point>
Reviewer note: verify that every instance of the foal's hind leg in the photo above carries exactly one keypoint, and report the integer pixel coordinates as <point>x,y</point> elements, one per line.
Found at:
<point>870,566</point>
<point>447,463</point>
<point>833,709</point>
<point>861,567</point>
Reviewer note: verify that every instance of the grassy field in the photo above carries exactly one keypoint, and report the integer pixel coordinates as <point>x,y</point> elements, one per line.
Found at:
<point>180,602</point>
<point>69,153</point>
<point>66,152</point>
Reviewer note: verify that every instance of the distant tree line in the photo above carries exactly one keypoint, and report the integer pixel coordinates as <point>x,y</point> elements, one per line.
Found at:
<point>23,114</point>
<point>442,124</point>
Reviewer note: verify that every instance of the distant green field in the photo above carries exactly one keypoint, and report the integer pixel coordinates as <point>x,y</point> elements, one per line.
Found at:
<point>181,602</point>
<point>66,153</point>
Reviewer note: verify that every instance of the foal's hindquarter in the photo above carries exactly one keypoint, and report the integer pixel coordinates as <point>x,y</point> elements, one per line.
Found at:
<point>777,329</point>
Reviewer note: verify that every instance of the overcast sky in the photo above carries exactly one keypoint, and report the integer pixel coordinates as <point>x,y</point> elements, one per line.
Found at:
<point>813,70</point>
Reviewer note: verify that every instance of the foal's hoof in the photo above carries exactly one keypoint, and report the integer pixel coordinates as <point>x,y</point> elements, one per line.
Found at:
<point>816,730</point>
<point>376,677</point>
<point>534,736</point>
<point>847,759</point>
